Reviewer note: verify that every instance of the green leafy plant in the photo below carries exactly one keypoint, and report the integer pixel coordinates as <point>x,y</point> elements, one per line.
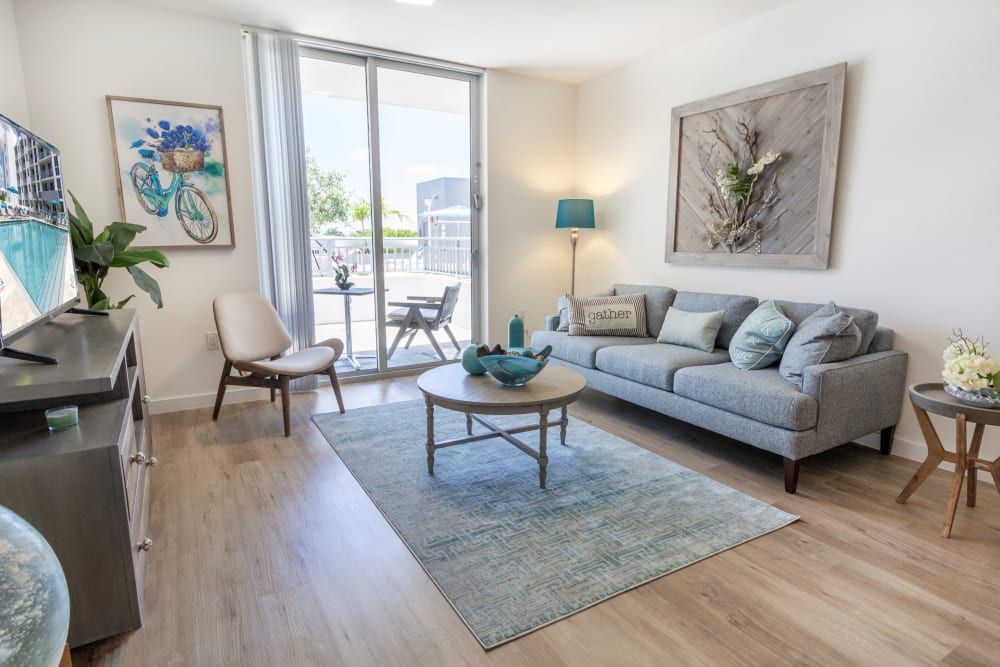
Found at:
<point>96,255</point>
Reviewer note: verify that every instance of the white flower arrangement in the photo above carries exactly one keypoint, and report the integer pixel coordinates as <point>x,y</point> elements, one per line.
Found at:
<point>968,365</point>
<point>742,195</point>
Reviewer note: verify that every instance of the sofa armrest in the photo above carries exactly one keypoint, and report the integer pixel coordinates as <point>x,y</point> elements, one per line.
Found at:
<point>858,396</point>
<point>551,322</point>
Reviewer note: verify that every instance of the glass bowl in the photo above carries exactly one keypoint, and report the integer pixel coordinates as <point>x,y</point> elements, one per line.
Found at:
<point>510,370</point>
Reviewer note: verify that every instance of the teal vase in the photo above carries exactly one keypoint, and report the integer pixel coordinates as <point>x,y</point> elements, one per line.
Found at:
<point>470,361</point>
<point>515,332</point>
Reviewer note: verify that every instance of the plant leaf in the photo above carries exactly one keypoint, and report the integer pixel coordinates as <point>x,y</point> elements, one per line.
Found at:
<point>121,304</point>
<point>100,305</point>
<point>86,229</point>
<point>121,234</point>
<point>133,257</point>
<point>96,253</point>
<point>147,284</point>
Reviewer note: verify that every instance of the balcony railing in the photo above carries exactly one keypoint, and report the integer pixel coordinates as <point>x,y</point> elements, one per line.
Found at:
<point>423,254</point>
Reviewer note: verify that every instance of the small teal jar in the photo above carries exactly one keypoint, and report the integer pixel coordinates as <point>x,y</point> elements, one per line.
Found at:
<point>515,332</point>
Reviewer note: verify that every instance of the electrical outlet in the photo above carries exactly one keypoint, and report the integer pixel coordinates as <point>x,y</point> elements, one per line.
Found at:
<point>212,340</point>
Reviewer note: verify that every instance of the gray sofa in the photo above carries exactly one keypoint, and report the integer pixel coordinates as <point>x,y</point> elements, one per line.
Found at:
<point>838,401</point>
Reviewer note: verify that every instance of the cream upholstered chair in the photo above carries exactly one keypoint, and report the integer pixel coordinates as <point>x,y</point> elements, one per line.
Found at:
<point>253,339</point>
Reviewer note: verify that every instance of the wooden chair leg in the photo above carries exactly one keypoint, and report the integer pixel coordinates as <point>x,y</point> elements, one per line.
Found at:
<point>273,378</point>
<point>286,404</point>
<point>791,475</point>
<point>447,330</point>
<point>226,369</point>
<point>403,328</point>
<point>409,341</point>
<point>332,372</point>
<point>66,660</point>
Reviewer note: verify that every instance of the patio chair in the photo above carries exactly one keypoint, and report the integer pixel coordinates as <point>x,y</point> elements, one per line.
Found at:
<point>427,314</point>
<point>253,338</point>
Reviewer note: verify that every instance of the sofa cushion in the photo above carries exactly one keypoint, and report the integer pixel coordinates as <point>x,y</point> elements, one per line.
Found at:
<point>759,395</point>
<point>761,338</point>
<point>694,330</point>
<point>736,308</point>
<point>579,350</point>
<point>562,304</point>
<point>826,336</point>
<point>658,299</point>
<point>867,320</point>
<point>623,315</point>
<point>654,365</point>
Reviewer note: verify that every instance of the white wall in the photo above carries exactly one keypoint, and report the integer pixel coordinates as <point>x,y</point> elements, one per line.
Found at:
<point>530,161</point>
<point>13,98</point>
<point>75,53</point>
<point>916,230</point>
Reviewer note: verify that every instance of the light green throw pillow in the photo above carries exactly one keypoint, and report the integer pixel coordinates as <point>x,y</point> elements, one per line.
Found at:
<point>697,330</point>
<point>762,337</point>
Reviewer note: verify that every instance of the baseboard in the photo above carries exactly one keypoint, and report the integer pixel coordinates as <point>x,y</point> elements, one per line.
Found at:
<point>194,401</point>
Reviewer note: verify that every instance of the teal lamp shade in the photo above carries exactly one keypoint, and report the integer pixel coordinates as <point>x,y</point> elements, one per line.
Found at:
<point>578,213</point>
<point>34,599</point>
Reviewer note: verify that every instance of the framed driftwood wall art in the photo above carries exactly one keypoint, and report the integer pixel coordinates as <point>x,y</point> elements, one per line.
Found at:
<point>753,172</point>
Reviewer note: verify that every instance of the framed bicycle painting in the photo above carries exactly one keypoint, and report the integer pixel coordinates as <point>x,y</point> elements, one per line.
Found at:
<point>172,175</point>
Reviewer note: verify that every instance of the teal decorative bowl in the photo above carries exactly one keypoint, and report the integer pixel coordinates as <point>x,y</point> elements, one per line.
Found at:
<point>510,370</point>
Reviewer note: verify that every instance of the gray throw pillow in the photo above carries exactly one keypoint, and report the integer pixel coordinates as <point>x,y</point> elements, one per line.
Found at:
<point>762,337</point>
<point>826,336</point>
<point>562,303</point>
<point>607,315</point>
<point>697,330</point>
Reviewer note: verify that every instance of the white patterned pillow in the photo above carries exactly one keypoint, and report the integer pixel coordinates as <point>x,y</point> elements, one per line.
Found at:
<point>623,315</point>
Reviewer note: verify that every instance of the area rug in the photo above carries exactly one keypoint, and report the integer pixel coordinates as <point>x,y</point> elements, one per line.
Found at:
<point>512,558</point>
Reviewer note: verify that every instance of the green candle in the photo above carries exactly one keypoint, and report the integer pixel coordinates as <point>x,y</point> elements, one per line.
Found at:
<point>61,418</point>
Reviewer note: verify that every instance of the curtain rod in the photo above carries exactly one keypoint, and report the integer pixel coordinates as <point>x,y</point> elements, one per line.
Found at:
<point>361,50</point>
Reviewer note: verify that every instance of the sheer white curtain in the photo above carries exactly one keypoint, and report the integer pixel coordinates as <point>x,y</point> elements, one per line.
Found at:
<point>279,170</point>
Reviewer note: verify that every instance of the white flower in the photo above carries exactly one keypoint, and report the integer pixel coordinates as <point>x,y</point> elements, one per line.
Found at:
<point>770,157</point>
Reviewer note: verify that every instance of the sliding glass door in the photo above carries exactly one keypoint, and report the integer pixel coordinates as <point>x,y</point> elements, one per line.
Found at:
<point>393,187</point>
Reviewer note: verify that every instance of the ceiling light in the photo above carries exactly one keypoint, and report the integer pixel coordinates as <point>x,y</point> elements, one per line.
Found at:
<point>422,3</point>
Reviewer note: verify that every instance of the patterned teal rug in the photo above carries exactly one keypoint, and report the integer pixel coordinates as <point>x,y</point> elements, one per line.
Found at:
<point>510,557</point>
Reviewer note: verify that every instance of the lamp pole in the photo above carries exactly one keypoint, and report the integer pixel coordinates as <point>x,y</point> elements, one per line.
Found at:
<point>574,232</point>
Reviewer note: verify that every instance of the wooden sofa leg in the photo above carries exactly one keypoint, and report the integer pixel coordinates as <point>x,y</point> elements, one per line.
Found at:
<point>226,369</point>
<point>791,475</point>
<point>336,388</point>
<point>887,435</point>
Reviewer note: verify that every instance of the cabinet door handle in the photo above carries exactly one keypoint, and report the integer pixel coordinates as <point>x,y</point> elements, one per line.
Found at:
<point>152,461</point>
<point>145,545</point>
<point>138,458</point>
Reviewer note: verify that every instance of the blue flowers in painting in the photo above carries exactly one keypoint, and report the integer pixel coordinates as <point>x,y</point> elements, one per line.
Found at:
<point>167,137</point>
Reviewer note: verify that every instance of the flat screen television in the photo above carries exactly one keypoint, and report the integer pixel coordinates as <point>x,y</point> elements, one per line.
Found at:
<point>37,274</point>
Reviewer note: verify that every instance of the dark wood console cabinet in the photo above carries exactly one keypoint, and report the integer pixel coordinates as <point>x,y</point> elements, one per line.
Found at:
<point>86,489</point>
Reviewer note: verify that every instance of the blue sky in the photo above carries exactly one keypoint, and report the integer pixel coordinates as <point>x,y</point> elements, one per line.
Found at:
<point>417,145</point>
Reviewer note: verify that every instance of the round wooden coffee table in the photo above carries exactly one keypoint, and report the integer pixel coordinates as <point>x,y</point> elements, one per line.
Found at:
<point>475,395</point>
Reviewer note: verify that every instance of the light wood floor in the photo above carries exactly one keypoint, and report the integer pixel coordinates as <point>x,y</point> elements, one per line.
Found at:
<point>267,552</point>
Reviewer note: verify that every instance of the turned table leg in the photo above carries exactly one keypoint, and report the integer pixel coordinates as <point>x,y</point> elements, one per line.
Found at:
<point>562,427</point>
<point>430,436</point>
<point>543,460</point>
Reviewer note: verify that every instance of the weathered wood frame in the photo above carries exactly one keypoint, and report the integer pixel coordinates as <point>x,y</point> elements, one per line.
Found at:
<point>832,78</point>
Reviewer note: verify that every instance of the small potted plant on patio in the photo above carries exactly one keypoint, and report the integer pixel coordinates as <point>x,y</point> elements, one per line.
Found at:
<point>342,273</point>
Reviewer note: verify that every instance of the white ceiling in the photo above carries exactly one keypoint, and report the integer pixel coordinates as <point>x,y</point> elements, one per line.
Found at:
<point>563,40</point>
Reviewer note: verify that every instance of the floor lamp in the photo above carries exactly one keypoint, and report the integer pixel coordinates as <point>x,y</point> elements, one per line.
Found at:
<point>576,214</point>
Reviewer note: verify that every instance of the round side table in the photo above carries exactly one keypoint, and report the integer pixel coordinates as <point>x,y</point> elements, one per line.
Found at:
<point>931,397</point>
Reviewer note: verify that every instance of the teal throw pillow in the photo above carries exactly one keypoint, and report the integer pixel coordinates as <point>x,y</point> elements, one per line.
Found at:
<point>826,336</point>
<point>762,337</point>
<point>697,330</point>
